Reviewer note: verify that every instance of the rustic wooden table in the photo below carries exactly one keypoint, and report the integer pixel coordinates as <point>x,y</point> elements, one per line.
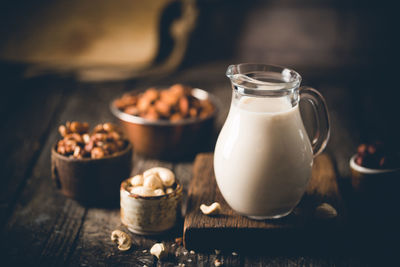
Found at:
<point>40,227</point>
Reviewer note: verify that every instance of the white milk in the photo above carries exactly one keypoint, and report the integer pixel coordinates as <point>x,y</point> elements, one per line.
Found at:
<point>263,157</point>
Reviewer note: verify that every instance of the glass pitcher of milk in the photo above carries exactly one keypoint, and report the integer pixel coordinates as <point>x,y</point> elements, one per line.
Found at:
<point>263,156</point>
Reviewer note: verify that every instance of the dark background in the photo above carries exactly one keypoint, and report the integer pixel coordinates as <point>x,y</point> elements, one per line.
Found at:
<point>349,43</point>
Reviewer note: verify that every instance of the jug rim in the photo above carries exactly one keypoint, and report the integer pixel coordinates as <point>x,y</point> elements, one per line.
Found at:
<point>279,81</point>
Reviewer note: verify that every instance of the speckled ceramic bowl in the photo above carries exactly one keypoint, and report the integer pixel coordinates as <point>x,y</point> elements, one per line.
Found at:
<point>150,215</point>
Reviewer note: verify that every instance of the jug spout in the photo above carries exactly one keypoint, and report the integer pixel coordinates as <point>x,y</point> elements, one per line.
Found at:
<point>262,79</point>
<point>231,71</point>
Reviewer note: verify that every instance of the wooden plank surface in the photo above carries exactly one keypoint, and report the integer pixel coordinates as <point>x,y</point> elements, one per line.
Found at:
<point>35,107</point>
<point>232,230</point>
<point>44,228</point>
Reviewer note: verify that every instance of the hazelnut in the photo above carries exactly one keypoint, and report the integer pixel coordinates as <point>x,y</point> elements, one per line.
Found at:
<point>109,127</point>
<point>63,130</point>
<point>79,127</point>
<point>97,153</point>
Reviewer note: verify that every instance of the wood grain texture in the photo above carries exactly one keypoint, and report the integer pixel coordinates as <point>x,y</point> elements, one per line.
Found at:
<point>44,228</point>
<point>24,134</point>
<point>231,230</point>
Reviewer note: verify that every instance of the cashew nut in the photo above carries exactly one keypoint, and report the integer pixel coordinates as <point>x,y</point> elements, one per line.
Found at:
<point>325,211</point>
<point>217,263</point>
<point>142,191</point>
<point>121,238</point>
<point>159,192</point>
<point>213,209</point>
<point>169,190</point>
<point>137,180</point>
<point>158,250</point>
<point>152,181</point>
<point>166,175</point>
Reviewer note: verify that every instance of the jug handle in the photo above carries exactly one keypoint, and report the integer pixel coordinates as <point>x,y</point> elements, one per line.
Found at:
<point>317,101</point>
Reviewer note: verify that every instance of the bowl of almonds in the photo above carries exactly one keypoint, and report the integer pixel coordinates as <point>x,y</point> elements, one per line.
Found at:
<point>167,123</point>
<point>89,166</point>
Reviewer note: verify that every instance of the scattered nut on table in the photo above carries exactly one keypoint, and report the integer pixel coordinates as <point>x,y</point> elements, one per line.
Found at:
<point>121,238</point>
<point>158,250</point>
<point>217,262</point>
<point>325,211</point>
<point>213,209</point>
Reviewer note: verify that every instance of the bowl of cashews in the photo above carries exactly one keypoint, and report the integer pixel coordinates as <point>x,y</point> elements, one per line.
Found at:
<point>151,201</point>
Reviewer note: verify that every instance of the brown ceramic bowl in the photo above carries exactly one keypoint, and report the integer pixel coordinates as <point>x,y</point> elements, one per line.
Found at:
<point>377,186</point>
<point>91,181</point>
<point>165,139</point>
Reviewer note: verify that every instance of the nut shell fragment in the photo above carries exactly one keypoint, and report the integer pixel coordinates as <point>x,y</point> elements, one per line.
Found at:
<point>121,238</point>
<point>213,209</point>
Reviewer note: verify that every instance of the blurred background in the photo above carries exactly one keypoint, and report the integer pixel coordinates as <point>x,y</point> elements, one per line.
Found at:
<point>343,42</point>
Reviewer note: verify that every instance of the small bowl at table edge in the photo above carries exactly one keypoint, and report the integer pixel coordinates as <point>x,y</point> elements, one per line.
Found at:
<point>370,181</point>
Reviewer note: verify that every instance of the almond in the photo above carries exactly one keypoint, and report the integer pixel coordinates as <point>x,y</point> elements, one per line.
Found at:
<point>163,108</point>
<point>184,106</point>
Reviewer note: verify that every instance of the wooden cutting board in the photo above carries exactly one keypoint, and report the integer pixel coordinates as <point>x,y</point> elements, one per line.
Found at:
<point>229,230</point>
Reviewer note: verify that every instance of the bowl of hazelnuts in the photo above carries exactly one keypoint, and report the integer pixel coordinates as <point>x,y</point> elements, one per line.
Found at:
<point>375,171</point>
<point>167,123</point>
<point>89,165</point>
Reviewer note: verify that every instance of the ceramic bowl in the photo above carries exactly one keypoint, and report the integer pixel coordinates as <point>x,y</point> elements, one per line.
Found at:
<point>151,214</point>
<point>375,184</point>
<point>91,181</point>
<point>169,140</point>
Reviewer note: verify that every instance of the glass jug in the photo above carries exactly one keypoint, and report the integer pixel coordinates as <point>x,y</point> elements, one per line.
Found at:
<point>263,156</point>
